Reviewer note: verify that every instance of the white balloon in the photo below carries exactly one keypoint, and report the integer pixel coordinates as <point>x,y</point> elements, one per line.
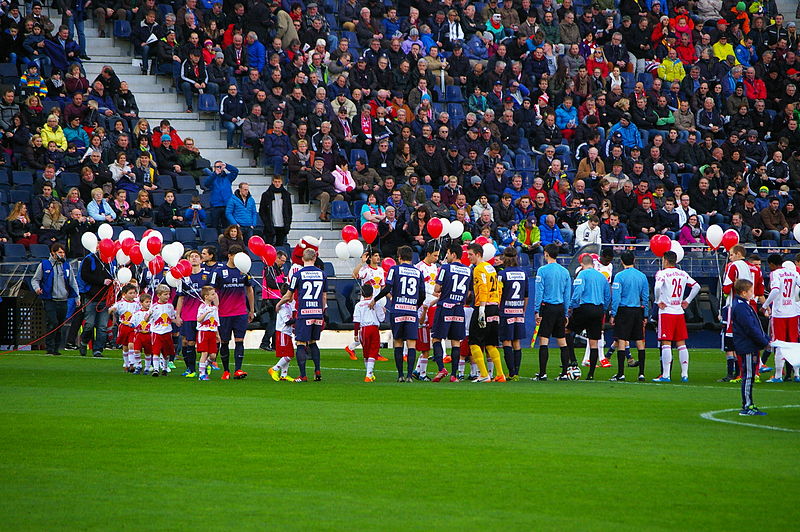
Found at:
<point>796,232</point>
<point>456,229</point>
<point>242,261</point>
<point>677,249</point>
<point>488,251</point>
<point>355,248</point>
<point>173,282</point>
<point>105,231</point>
<point>788,265</point>
<point>124,235</point>
<point>89,241</point>
<point>143,248</point>
<point>124,275</point>
<point>445,226</point>
<point>122,258</point>
<point>714,236</point>
<point>342,251</point>
<point>171,253</point>
<point>180,248</point>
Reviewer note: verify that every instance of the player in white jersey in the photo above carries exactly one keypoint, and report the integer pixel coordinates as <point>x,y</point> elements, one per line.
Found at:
<point>782,307</point>
<point>284,338</point>
<point>368,272</point>
<point>124,309</point>
<point>670,295</point>
<point>366,326</point>
<point>429,266</point>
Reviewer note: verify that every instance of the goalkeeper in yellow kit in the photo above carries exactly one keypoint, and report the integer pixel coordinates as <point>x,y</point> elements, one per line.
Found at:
<point>486,318</point>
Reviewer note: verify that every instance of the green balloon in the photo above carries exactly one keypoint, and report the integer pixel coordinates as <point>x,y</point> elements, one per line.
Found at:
<point>466,236</point>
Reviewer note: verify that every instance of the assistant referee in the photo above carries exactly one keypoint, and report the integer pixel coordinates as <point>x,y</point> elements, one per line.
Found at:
<point>630,296</point>
<point>591,297</point>
<point>550,303</point>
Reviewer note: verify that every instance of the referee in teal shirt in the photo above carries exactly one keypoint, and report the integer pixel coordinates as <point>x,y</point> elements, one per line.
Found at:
<point>591,298</point>
<point>630,296</point>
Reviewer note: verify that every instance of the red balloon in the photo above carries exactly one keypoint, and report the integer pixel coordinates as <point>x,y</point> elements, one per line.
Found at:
<point>256,245</point>
<point>185,267</point>
<point>156,265</point>
<point>117,247</point>
<point>435,227</point>
<point>349,233</point>
<point>269,255</point>
<point>387,263</point>
<point>729,239</point>
<point>370,232</point>
<point>135,253</point>
<point>126,245</point>
<point>176,272</point>
<point>106,249</point>
<point>154,246</point>
<point>481,240</point>
<point>660,244</point>
<point>465,258</point>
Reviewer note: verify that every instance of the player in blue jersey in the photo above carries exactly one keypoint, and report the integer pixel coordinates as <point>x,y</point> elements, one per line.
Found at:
<point>236,310</point>
<point>513,302</point>
<point>310,285</point>
<point>406,285</point>
<point>453,282</point>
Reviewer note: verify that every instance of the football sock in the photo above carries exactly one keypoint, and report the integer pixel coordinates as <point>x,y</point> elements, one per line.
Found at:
<point>137,359</point>
<point>461,365</point>
<point>666,360</point>
<point>544,355</point>
<point>517,360</point>
<point>238,353</point>
<point>610,352</point>
<point>779,363</point>
<point>565,359</point>
<point>477,359</point>
<point>302,356</point>
<point>438,355</point>
<point>570,353</point>
<point>190,357</point>
<point>352,345</point>
<point>765,356</point>
<point>398,361</point>
<point>473,369</point>
<point>758,364</point>
<point>203,366</point>
<point>508,355</point>
<point>731,363</point>
<point>411,359</point>
<point>422,365</point>
<point>621,362</point>
<point>163,362</point>
<point>125,359</point>
<point>313,350</point>
<point>418,367</point>
<point>497,362</point>
<point>593,355</point>
<point>225,355</point>
<point>683,357</point>
<point>370,367</point>
<point>455,360</point>
<point>149,362</point>
<point>642,356</point>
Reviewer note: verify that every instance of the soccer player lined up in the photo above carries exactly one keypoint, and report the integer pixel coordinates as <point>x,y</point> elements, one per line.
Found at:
<point>284,334</point>
<point>513,302</point>
<point>368,271</point>
<point>405,284</point>
<point>186,305</point>
<point>125,308</point>
<point>486,317</point>
<point>670,295</point>
<point>143,342</point>
<point>630,296</point>
<point>236,310</point>
<point>449,322</point>
<point>551,305</point>
<point>591,297</point>
<point>161,317</point>
<point>366,329</point>
<point>311,286</point>
<point>748,340</point>
<point>207,324</point>
<point>429,266</point>
<point>782,308</point>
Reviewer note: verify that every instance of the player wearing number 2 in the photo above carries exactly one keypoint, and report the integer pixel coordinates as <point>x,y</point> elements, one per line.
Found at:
<point>406,284</point>
<point>513,302</point>
<point>782,306</point>
<point>311,287</point>
<point>670,292</point>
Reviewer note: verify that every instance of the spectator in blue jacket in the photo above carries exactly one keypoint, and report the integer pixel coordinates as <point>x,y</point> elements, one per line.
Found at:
<point>567,117</point>
<point>748,340</point>
<point>277,147</point>
<point>614,232</point>
<point>241,211</point>
<point>628,130</point>
<point>218,182</point>
<point>256,53</point>
<point>549,232</point>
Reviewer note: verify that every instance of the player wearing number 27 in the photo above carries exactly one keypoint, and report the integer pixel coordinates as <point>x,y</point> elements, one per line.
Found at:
<point>782,307</point>
<point>670,295</point>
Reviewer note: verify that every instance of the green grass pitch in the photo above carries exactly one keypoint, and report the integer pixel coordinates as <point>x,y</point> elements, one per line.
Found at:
<point>87,447</point>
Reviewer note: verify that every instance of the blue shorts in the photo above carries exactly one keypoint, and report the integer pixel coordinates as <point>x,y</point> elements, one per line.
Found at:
<point>308,329</point>
<point>449,323</point>
<point>511,330</point>
<point>405,327</point>
<point>189,331</point>
<point>235,324</point>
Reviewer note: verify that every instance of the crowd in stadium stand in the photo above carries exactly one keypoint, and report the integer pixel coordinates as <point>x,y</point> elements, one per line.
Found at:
<point>532,122</point>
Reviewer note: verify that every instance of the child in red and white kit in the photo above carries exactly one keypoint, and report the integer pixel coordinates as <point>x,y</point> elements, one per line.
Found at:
<point>161,316</point>
<point>207,329</point>
<point>284,335</point>
<point>142,343</point>
<point>125,308</point>
<point>366,328</point>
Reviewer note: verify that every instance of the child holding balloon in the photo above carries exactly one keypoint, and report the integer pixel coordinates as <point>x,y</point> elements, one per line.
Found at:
<point>124,309</point>
<point>161,317</point>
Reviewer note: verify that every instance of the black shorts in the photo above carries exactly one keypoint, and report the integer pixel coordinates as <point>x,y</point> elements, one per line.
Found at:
<point>629,324</point>
<point>553,318</point>
<point>588,318</point>
<point>486,335</point>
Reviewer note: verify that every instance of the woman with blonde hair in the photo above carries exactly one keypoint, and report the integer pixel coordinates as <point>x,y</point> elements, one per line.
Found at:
<point>52,131</point>
<point>20,226</point>
<point>72,200</point>
<point>33,112</point>
<point>143,208</point>
<point>142,129</point>
<point>52,222</point>
<point>36,153</point>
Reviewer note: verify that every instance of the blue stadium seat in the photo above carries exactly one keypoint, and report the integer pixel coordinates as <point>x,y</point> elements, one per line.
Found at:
<point>629,80</point>
<point>40,251</point>
<point>330,271</point>
<point>356,154</point>
<point>20,195</point>
<point>9,74</point>
<point>357,204</point>
<point>183,200</point>
<point>207,103</point>
<point>428,191</point>
<point>186,183</point>
<point>340,211</point>
<point>209,234</point>
<point>185,235</point>
<point>455,110</point>
<point>14,251</point>
<point>70,179</point>
<point>138,232</point>
<point>122,29</point>
<point>769,243</point>
<point>523,162</point>
<point>22,178</point>
<point>166,232</point>
<point>438,108</point>
<point>165,182</point>
<point>453,94</point>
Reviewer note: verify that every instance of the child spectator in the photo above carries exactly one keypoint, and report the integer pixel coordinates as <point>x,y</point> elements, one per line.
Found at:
<point>284,334</point>
<point>207,325</point>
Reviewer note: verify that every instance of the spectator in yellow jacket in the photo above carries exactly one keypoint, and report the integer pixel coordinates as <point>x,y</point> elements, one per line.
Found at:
<point>722,49</point>
<point>671,68</point>
<point>53,132</point>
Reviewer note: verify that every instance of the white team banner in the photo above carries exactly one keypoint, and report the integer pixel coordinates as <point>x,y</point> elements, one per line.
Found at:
<point>789,350</point>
